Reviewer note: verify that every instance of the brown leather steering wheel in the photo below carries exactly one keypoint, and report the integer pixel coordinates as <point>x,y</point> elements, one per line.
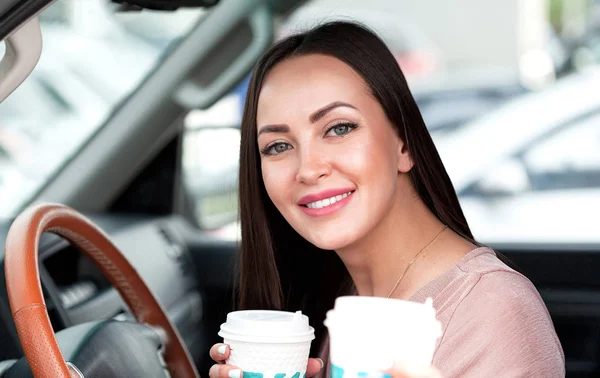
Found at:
<point>27,301</point>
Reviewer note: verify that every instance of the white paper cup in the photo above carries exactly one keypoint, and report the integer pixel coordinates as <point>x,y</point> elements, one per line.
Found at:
<point>268,344</point>
<point>368,335</point>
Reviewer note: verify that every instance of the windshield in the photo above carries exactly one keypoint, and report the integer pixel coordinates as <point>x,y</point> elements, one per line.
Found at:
<point>93,58</point>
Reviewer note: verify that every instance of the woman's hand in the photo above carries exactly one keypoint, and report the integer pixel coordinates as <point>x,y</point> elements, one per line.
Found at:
<point>404,372</point>
<point>220,352</point>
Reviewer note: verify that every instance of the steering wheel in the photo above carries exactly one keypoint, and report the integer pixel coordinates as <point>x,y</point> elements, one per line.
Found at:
<point>152,347</point>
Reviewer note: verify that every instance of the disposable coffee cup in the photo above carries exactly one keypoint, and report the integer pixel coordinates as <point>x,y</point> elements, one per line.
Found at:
<point>268,344</point>
<point>370,335</point>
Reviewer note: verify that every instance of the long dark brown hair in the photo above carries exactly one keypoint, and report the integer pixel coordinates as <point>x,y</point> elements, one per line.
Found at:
<point>278,268</point>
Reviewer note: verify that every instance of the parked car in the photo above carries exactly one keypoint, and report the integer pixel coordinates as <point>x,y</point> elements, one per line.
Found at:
<point>450,100</point>
<point>540,179</point>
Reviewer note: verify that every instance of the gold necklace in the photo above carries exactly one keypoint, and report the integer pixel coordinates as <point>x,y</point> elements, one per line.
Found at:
<point>414,259</point>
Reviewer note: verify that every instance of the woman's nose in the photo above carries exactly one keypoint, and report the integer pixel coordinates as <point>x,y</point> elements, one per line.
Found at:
<point>313,166</point>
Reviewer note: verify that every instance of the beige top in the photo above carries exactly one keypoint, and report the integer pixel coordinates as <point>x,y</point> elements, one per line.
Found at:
<point>494,322</point>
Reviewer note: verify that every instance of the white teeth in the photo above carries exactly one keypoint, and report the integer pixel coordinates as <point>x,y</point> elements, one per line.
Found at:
<point>326,202</point>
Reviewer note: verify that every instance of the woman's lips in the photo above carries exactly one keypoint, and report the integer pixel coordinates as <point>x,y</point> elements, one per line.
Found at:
<point>325,194</point>
<point>326,205</point>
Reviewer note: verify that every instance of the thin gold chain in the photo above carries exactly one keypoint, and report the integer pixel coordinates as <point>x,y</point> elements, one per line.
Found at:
<point>414,259</point>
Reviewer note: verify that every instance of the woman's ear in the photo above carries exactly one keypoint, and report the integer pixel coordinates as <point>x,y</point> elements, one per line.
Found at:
<point>405,162</point>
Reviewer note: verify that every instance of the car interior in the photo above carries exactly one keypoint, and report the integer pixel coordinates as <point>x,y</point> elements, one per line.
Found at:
<point>124,190</point>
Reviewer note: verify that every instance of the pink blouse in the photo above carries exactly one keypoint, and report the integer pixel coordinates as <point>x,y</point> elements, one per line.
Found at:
<point>494,322</point>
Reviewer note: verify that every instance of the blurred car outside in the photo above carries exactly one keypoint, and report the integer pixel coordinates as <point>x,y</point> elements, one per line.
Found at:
<point>450,100</point>
<point>531,185</point>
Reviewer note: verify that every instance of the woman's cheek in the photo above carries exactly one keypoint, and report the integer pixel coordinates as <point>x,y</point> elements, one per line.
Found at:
<point>276,180</point>
<point>354,157</point>
<point>267,174</point>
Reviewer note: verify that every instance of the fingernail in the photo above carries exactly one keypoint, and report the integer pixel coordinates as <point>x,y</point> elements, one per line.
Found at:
<point>222,349</point>
<point>235,373</point>
<point>321,362</point>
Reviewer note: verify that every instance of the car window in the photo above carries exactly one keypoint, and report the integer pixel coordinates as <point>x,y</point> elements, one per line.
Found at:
<point>510,107</point>
<point>92,59</point>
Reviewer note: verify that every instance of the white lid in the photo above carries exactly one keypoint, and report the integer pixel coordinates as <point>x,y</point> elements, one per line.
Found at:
<point>357,305</point>
<point>267,326</point>
<point>376,315</point>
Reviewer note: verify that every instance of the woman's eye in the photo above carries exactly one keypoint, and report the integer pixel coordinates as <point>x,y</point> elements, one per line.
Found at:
<point>276,148</point>
<point>341,129</point>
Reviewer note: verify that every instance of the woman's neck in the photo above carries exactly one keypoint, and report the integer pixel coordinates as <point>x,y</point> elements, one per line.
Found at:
<point>377,261</point>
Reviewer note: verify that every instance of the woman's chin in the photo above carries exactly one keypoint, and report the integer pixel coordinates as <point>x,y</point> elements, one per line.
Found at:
<point>328,242</point>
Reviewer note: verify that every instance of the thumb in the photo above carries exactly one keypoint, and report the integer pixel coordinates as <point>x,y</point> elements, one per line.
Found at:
<point>315,365</point>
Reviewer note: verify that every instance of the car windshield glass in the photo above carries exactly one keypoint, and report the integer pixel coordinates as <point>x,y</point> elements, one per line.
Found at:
<point>93,58</point>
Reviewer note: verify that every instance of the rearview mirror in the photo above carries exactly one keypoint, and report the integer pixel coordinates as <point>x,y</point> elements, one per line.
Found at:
<point>127,5</point>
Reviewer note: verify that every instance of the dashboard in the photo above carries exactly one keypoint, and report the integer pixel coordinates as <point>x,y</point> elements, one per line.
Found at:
<point>76,292</point>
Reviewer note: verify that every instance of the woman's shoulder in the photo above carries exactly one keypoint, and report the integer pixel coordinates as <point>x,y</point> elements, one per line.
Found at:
<point>483,260</point>
<point>494,283</point>
<point>498,322</point>
<point>476,276</point>
<point>482,294</point>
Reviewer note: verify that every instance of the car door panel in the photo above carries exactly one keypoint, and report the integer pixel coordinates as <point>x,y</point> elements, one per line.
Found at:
<point>213,261</point>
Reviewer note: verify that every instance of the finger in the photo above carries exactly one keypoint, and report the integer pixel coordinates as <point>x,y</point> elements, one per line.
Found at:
<point>315,365</point>
<point>219,352</point>
<point>224,371</point>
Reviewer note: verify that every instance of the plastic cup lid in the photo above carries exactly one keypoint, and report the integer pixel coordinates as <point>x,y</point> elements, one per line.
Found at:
<point>382,315</point>
<point>267,326</point>
<point>358,305</point>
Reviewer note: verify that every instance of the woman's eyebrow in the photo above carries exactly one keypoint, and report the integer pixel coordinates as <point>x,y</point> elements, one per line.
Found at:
<point>326,109</point>
<point>273,129</point>
<point>314,117</point>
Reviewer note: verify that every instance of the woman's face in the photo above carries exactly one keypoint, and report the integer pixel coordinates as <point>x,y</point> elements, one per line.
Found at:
<point>331,160</point>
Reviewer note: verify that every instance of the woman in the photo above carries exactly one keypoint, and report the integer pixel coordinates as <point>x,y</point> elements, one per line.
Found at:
<point>342,191</point>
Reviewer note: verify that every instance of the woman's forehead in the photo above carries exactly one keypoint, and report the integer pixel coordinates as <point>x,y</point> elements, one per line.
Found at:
<point>303,84</point>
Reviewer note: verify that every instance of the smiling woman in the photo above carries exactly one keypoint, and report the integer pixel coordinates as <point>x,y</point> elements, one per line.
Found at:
<point>346,145</point>
<point>342,192</point>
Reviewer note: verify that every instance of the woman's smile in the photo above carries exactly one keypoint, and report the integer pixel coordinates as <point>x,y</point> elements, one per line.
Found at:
<point>326,202</point>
